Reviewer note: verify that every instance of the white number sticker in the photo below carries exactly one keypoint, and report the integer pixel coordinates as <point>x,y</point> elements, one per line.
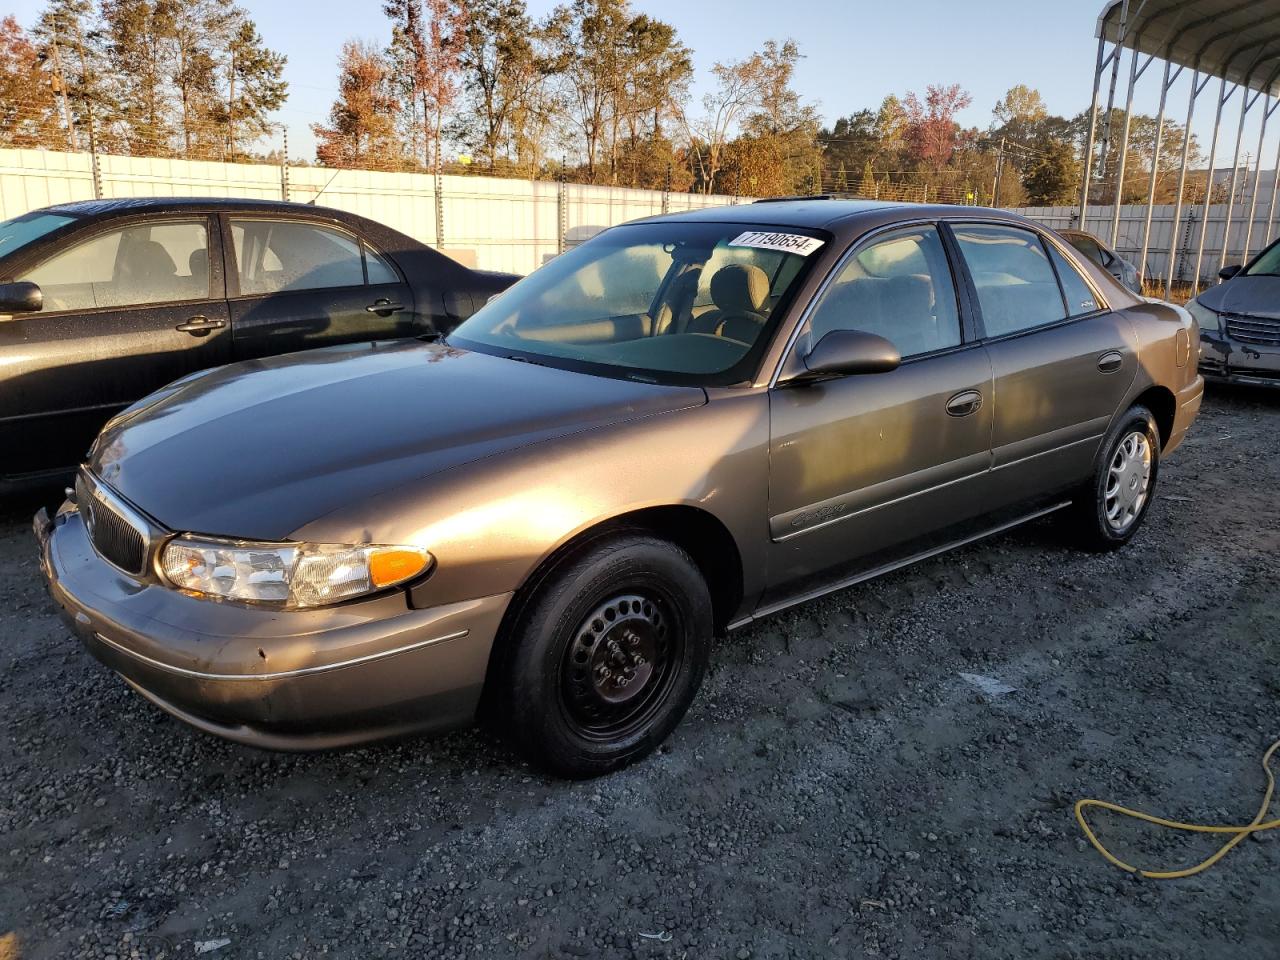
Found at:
<point>786,242</point>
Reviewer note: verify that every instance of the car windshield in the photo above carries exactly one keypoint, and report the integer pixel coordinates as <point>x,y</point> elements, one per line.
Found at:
<point>1267,264</point>
<point>672,302</point>
<point>18,232</point>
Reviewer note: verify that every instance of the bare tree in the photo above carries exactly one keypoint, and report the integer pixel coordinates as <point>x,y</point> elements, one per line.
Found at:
<point>740,85</point>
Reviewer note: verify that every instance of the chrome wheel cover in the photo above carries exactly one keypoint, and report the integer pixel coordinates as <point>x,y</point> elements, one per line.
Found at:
<point>1128,481</point>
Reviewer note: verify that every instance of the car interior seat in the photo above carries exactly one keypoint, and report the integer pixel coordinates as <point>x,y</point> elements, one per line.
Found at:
<point>740,292</point>
<point>145,273</point>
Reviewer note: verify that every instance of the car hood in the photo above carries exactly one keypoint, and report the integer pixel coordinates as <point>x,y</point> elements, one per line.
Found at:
<point>1250,296</point>
<point>258,449</point>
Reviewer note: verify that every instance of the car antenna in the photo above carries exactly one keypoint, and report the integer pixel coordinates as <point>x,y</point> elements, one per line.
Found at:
<point>312,201</point>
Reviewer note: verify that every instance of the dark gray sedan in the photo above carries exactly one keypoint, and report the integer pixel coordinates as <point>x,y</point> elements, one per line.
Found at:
<point>1240,323</point>
<point>103,301</point>
<point>546,520</point>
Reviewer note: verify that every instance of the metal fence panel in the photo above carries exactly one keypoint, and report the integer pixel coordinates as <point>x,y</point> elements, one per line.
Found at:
<point>1164,232</point>
<point>497,224</point>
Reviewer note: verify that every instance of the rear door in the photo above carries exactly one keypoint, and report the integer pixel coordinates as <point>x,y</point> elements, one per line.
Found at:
<point>296,284</point>
<point>1062,361</point>
<point>128,307</point>
<point>863,468</point>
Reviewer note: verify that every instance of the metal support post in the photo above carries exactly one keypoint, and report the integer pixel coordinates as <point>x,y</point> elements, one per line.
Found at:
<point>1170,78</point>
<point>1197,87</point>
<point>1223,97</point>
<point>1246,104</point>
<point>1135,73</point>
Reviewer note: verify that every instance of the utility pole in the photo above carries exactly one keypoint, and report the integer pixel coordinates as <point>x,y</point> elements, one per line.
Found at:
<point>93,124</point>
<point>60,78</point>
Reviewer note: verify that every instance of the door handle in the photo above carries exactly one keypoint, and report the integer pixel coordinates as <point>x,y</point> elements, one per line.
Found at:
<point>200,326</point>
<point>1110,362</point>
<point>964,403</point>
<point>384,307</point>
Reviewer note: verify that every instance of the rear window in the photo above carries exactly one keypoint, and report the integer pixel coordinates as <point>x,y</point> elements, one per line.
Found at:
<point>1016,284</point>
<point>1079,295</point>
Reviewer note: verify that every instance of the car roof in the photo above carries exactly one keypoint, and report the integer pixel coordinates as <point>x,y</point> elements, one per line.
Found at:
<point>124,205</point>
<point>824,213</point>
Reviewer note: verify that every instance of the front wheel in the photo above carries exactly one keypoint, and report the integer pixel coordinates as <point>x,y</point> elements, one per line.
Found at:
<point>1111,508</point>
<point>607,656</point>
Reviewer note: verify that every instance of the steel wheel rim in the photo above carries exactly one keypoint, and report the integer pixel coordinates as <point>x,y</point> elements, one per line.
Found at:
<point>620,665</point>
<point>1128,482</point>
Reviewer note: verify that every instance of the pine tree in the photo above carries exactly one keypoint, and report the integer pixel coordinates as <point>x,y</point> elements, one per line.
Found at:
<point>65,33</point>
<point>868,187</point>
<point>255,83</point>
<point>136,34</point>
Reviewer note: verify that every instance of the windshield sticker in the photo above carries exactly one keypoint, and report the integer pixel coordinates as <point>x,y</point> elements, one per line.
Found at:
<point>786,242</point>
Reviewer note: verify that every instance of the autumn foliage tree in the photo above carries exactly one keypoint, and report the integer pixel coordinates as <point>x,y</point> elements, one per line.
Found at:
<point>932,132</point>
<point>361,131</point>
<point>28,109</point>
<point>432,37</point>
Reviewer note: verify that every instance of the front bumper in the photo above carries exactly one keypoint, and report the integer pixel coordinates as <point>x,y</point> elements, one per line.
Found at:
<point>287,680</point>
<point>1224,360</point>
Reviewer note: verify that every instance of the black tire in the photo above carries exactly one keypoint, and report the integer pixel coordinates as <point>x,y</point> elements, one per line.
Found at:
<point>606,656</point>
<point>1100,520</point>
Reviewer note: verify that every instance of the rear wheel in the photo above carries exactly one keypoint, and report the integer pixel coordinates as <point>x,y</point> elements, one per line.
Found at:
<point>1111,508</point>
<point>607,656</point>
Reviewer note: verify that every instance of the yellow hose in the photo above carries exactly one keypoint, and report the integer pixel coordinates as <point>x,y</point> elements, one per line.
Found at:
<point>1256,826</point>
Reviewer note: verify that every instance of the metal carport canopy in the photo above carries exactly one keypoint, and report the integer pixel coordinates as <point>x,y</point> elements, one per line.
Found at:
<point>1237,40</point>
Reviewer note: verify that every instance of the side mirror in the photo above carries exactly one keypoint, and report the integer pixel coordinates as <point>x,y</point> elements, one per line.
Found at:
<point>843,353</point>
<point>1226,273</point>
<point>20,297</point>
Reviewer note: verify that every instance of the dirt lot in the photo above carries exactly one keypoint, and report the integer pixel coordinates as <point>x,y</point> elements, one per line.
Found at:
<point>838,789</point>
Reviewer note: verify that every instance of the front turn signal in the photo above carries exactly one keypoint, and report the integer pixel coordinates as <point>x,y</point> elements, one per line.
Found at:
<point>391,565</point>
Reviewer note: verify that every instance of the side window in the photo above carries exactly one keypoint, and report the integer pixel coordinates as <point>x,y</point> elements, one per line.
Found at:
<point>134,266</point>
<point>899,287</point>
<point>1079,295</point>
<point>275,256</point>
<point>1088,246</point>
<point>379,270</point>
<point>1016,285</point>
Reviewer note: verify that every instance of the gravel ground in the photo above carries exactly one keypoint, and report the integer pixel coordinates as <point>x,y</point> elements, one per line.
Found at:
<point>839,789</point>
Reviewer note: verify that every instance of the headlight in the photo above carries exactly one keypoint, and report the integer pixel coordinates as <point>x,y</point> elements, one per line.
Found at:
<point>287,574</point>
<point>1206,318</point>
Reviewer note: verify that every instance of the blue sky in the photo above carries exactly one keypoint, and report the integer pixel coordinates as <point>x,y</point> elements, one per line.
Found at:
<point>855,51</point>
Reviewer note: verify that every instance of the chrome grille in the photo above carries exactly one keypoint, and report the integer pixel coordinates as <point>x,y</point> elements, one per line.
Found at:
<point>110,532</point>
<point>1259,330</point>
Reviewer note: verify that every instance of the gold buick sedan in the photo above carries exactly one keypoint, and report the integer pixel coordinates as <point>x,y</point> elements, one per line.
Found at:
<point>547,518</point>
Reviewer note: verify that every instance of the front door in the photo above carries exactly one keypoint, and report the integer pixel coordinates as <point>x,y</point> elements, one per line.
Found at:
<point>127,310</point>
<point>298,284</point>
<point>863,468</point>
<point>1062,362</point>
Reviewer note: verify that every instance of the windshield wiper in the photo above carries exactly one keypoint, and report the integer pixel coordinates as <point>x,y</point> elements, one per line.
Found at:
<point>536,363</point>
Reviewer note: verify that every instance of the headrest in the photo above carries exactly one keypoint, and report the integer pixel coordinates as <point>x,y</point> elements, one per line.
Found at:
<point>198,263</point>
<point>147,260</point>
<point>740,288</point>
